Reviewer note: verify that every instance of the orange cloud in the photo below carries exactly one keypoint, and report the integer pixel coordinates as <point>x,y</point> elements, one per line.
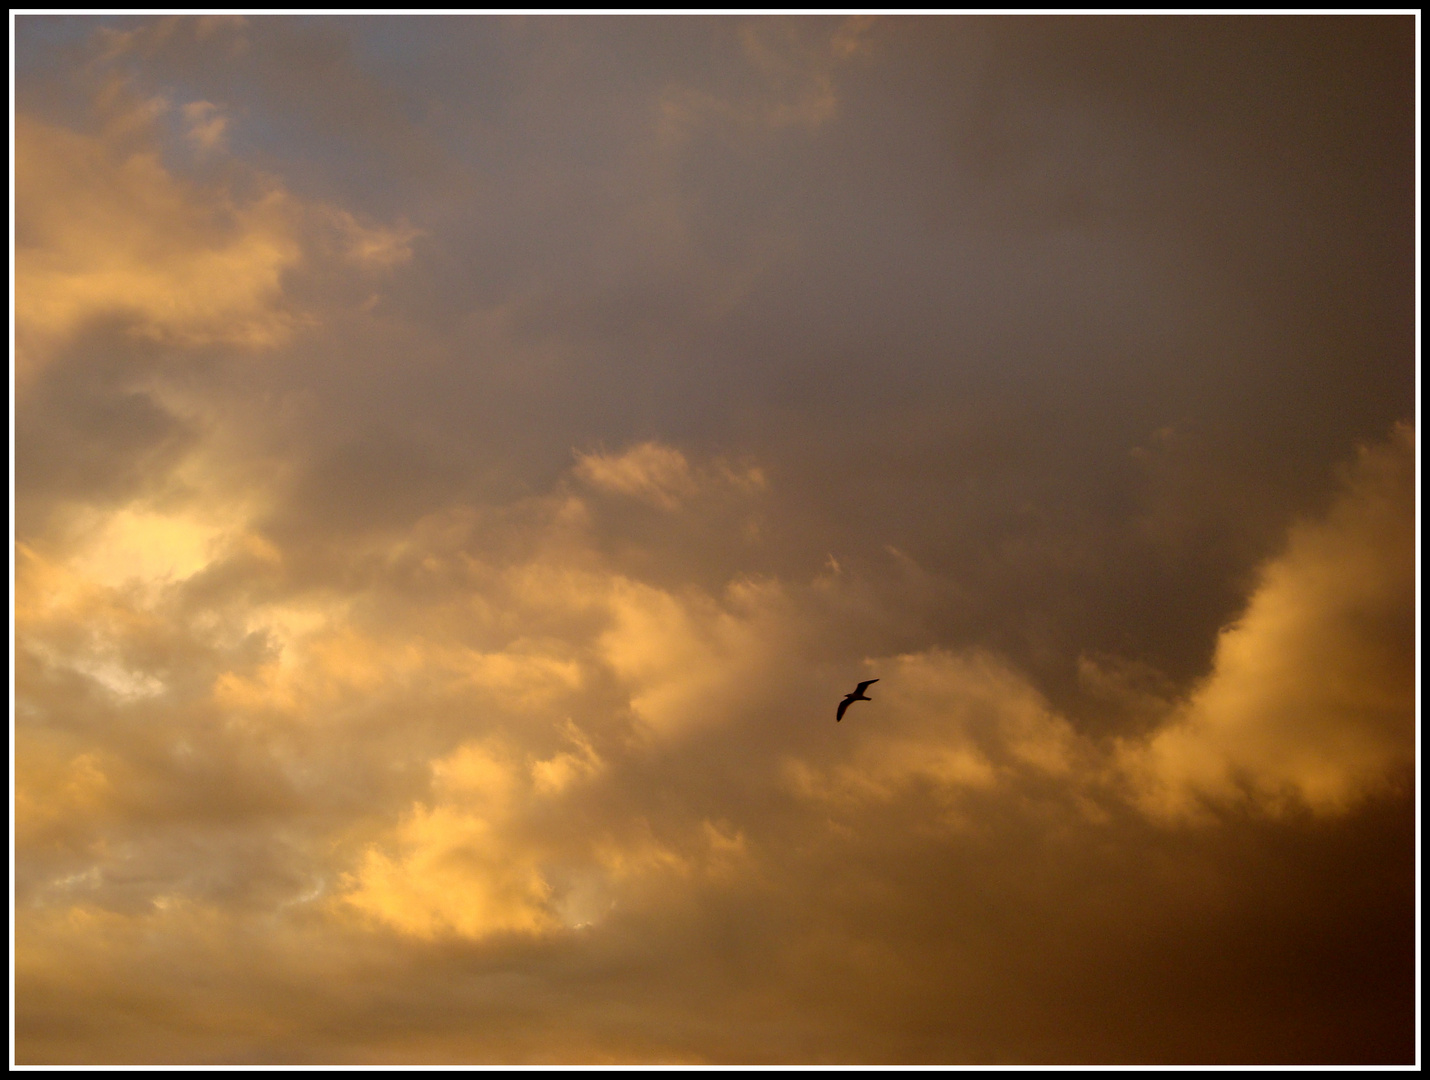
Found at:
<point>651,472</point>
<point>107,231</point>
<point>104,228</point>
<point>1311,697</point>
<point>956,722</point>
<point>458,868</point>
<point>661,476</point>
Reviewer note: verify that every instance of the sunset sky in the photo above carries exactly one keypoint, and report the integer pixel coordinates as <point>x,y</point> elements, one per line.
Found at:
<point>462,462</point>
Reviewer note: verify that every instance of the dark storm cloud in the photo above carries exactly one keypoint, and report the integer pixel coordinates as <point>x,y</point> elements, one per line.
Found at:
<point>462,461</point>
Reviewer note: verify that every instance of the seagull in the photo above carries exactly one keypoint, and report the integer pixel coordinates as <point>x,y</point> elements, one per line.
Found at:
<point>857,695</point>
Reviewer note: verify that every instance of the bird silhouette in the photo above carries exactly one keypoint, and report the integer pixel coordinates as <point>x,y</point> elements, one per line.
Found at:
<point>857,695</point>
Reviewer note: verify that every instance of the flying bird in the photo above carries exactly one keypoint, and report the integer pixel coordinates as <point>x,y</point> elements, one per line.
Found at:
<point>857,695</point>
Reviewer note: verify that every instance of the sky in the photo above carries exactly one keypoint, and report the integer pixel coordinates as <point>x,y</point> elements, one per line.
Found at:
<point>461,462</point>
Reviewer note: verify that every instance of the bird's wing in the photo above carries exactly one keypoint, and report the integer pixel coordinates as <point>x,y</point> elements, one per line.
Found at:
<point>865,685</point>
<point>840,714</point>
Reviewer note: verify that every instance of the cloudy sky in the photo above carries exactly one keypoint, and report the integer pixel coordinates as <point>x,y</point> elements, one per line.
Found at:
<point>461,463</point>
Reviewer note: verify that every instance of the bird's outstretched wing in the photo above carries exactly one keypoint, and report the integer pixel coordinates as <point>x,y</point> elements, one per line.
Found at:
<point>842,706</point>
<point>865,685</point>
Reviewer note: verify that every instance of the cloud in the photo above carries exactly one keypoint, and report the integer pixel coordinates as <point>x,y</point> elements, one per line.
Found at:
<point>795,62</point>
<point>1310,701</point>
<point>206,125</point>
<point>658,474</point>
<point>108,229</point>
<point>103,230</point>
<point>954,723</point>
<point>359,720</point>
<point>458,870</point>
<point>518,747</point>
<point>372,246</point>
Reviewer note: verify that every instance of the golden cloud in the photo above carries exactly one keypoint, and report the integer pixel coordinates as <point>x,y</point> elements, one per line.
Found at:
<point>955,723</point>
<point>104,230</point>
<point>523,699</point>
<point>661,476</point>
<point>1311,698</point>
<point>650,471</point>
<point>458,869</point>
